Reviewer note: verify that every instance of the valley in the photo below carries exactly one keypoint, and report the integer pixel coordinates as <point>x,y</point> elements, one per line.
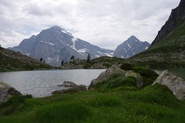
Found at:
<point>137,82</point>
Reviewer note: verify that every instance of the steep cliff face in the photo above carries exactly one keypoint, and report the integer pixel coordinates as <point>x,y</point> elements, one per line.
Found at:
<point>168,48</point>
<point>176,18</point>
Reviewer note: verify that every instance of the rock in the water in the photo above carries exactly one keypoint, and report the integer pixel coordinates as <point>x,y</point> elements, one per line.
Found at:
<point>68,84</point>
<point>105,75</point>
<point>72,89</point>
<point>174,83</point>
<point>137,76</point>
<point>6,92</point>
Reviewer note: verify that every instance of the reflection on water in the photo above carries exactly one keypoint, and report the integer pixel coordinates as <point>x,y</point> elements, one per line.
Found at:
<point>42,83</point>
<point>176,71</point>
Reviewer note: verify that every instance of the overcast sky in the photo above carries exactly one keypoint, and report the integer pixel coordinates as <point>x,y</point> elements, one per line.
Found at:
<point>106,23</point>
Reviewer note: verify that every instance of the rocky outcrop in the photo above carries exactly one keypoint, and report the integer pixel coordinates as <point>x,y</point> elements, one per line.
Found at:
<point>116,69</point>
<point>174,83</point>
<point>68,84</point>
<point>106,74</point>
<point>77,88</point>
<point>70,87</point>
<point>6,92</point>
<point>139,79</point>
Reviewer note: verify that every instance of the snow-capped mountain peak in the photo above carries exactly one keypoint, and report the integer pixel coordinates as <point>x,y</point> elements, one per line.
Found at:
<point>130,47</point>
<point>56,44</point>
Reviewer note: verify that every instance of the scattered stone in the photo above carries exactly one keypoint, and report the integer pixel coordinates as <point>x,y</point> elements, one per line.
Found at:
<point>139,79</point>
<point>106,74</point>
<point>174,83</point>
<point>77,88</point>
<point>68,84</point>
<point>6,92</point>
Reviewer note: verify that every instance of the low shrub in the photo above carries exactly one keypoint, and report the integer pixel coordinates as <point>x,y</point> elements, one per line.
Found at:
<point>149,76</point>
<point>145,72</point>
<point>127,66</point>
<point>116,80</point>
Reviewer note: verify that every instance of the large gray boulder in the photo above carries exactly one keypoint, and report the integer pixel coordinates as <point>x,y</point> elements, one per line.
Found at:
<point>6,92</point>
<point>174,83</point>
<point>137,76</point>
<point>116,69</point>
<point>106,74</point>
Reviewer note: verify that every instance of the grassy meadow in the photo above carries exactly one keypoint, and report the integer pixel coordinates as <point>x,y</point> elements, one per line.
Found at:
<point>116,100</point>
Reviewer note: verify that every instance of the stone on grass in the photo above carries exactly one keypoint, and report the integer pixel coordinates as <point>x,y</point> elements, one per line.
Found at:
<point>174,83</point>
<point>106,74</point>
<point>6,92</point>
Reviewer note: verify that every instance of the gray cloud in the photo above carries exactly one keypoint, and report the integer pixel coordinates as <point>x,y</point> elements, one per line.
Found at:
<point>104,23</point>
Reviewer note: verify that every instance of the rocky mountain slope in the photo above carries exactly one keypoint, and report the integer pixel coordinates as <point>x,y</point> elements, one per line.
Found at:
<point>168,48</point>
<point>56,44</point>
<point>12,61</point>
<point>130,47</point>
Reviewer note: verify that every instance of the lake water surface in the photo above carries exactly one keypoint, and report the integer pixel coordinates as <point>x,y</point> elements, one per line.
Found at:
<point>42,83</point>
<point>176,71</point>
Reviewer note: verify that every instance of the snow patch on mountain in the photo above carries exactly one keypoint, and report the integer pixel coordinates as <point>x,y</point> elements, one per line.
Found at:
<point>128,45</point>
<point>47,43</point>
<point>74,39</point>
<point>83,50</point>
<point>105,54</point>
<point>65,32</point>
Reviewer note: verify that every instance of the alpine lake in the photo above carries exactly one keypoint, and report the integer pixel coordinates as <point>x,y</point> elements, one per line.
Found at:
<point>42,83</point>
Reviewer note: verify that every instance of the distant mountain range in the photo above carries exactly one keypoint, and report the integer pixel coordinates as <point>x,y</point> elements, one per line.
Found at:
<point>56,44</point>
<point>168,48</point>
<point>130,47</point>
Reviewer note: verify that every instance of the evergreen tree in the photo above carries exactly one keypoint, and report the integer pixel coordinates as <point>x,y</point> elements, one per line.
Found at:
<point>88,58</point>
<point>62,63</point>
<point>41,59</point>
<point>72,57</point>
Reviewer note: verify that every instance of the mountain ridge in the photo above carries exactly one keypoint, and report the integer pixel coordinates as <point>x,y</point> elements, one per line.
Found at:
<point>130,47</point>
<point>168,48</point>
<point>177,17</point>
<point>56,44</point>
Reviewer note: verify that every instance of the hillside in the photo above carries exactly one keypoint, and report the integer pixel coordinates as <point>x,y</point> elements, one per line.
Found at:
<point>168,48</point>
<point>12,61</point>
<point>97,63</point>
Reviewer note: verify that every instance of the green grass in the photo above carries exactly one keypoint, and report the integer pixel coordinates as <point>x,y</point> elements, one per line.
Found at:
<point>173,39</point>
<point>116,100</point>
<point>166,53</point>
<point>151,104</point>
<point>16,62</point>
